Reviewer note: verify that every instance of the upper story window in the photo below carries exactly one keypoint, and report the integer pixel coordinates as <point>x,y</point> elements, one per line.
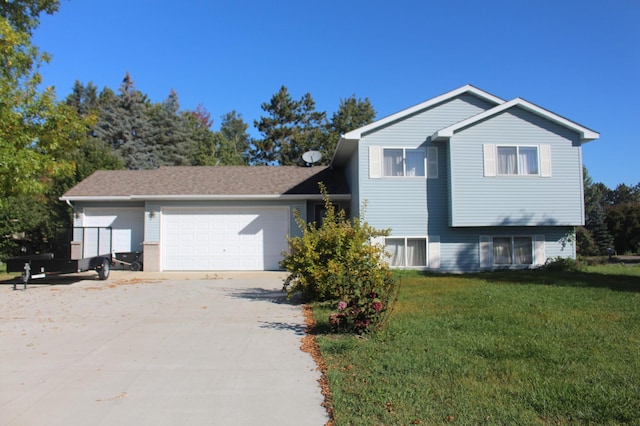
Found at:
<point>403,162</point>
<point>517,160</point>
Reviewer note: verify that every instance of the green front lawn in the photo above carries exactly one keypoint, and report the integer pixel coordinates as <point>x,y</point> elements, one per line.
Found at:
<point>520,348</point>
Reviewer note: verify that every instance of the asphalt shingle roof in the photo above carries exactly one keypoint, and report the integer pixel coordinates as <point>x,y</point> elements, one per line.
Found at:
<point>211,181</point>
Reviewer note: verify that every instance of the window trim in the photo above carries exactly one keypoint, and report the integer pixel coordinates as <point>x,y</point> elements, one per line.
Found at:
<point>544,162</point>
<point>404,162</point>
<point>518,171</point>
<point>513,264</point>
<point>405,238</point>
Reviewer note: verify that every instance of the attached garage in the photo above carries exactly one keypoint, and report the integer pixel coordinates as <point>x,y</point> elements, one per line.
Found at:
<point>209,239</point>
<point>228,218</point>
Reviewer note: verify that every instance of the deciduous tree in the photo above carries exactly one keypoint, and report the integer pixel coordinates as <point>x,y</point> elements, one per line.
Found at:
<point>35,130</point>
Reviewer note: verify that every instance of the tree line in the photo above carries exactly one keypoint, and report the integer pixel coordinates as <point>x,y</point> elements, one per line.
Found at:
<point>612,219</point>
<point>49,145</point>
<point>144,135</point>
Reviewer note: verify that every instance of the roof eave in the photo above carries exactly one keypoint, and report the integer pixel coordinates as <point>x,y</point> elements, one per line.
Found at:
<point>585,133</point>
<point>357,133</point>
<point>343,150</point>
<point>253,197</point>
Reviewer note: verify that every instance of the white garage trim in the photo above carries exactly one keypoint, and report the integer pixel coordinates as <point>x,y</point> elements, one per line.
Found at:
<point>127,225</point>
<point>223,238</point>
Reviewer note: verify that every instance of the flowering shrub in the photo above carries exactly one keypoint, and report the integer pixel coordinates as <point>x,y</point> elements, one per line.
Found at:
<point>340,261</point>
<point>366,305</point>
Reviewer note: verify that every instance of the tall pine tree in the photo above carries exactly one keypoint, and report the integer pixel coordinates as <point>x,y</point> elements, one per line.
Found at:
<point>289,129</point>
<point>123,124</point>
<point>169,143</point>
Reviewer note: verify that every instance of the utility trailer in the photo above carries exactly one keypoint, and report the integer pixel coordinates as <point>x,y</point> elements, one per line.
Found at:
<point>77,249</point>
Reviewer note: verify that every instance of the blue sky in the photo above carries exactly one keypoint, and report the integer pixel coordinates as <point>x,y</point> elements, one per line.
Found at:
<point>579,59</point>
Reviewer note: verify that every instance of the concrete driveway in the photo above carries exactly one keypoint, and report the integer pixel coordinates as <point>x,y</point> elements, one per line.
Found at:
<point>155,349</point>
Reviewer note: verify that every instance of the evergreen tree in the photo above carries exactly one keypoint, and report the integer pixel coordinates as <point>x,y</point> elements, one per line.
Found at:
<point>290,128</point>
<point>123,124</point>
<point>227,147</point>
<point>234,131</point>
<point>84,99</point>
<point>198,128</point>
<point>169,143</point>
<point>595,224</point>
<point>352,113</point>
<point>135,148</point>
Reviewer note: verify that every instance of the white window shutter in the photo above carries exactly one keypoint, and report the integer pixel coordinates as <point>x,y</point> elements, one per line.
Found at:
<point>375,162</point>
<point>434,252</point>
<point>489,159</point>
<point>545,160</point>
<point>540,257</point>
<point>486,251</point>
<point>432,162</point>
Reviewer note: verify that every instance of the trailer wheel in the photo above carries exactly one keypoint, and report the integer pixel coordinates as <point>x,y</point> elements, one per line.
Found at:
<point>104,269</point>
<point>136,266</point>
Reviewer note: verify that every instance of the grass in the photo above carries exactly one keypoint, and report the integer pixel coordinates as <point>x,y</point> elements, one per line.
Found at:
<point>526,347</point>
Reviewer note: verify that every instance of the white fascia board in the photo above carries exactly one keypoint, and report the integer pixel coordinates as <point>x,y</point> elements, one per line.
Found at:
<point>585,133</point>
<point>357,133</point>
<point>206,197</point>
<point>342,145</point>
<point>96,198</point>
<point>234,197</point>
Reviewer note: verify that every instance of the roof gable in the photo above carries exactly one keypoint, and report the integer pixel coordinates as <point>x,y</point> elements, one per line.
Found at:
<point>585,133</point>
<point>357,133</point>
<point>349,140</point>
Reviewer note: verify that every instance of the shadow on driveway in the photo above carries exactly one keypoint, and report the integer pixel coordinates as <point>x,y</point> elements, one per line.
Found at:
<point>272,296</point>
<point>50,280</point>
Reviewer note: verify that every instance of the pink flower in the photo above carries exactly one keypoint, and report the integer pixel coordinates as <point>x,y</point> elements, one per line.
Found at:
<point>342,306</point>
<point>377,306</point>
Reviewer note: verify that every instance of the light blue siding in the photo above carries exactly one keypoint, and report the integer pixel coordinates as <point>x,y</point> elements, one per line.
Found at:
<point>460,248</point>
<point>401,203</point>
<point>477,200</point>
<point>152,221</point>
<point>461,204</point>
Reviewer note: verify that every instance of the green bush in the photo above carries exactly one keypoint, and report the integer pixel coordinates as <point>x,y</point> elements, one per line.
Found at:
<point>563,264</point>
<point>340,261</point>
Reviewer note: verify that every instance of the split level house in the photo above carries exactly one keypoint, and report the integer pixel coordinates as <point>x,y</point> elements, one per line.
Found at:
<point>465,181</point>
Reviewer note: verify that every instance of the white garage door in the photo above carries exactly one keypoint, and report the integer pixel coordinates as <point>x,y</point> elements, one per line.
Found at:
<point>127,229</point>
<point>232,239</point>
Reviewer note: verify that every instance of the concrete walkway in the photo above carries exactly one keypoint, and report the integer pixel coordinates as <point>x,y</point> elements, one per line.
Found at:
<point>155,349</point>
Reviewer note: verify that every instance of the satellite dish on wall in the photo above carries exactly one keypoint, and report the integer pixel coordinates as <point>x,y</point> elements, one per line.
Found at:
<point>311,157</point>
